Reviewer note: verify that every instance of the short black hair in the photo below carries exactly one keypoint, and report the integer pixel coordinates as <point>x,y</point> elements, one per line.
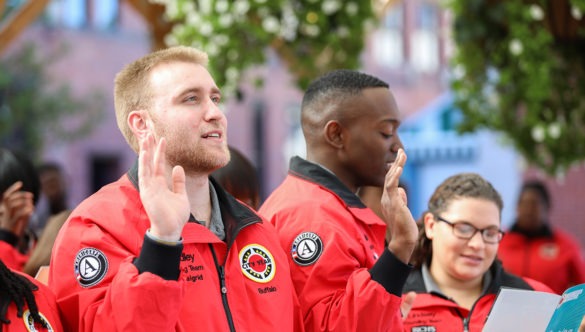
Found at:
<point>540,188</point>
<point>16,166</point>
<point>342,80</point>
<point>49,167</point>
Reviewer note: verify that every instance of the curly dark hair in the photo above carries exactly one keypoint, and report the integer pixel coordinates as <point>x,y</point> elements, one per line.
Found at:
<point>18,289</point>
<point>463,185</point>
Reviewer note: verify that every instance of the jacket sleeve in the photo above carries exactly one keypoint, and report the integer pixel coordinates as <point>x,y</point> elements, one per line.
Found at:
<point>337,292</point>
<point>98,287</point>
<point>11,257</point>
<point>577,273</point>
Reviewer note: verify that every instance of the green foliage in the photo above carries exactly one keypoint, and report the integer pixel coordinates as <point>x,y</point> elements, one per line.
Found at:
<point>32,107</point>
<point>310,36</point>
<point>519,69</point>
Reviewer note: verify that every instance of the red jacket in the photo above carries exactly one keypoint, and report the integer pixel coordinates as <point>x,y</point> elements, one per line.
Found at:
<point>47,308</point>
<point>11,256</point>
<point>242,284</point>
<point>345,277</point>
<point>432,311</point>
<point>553,258</point>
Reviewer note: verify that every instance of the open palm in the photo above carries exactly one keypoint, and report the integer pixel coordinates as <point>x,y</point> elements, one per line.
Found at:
<point>403,229</point>
<point>165,200</point>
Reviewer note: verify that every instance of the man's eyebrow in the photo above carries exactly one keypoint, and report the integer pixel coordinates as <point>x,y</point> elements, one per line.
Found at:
<point>214,90</point>
<point>391,121</point>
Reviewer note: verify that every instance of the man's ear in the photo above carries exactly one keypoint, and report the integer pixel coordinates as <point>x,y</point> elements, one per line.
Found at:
<point>429,223</point>
<point>334,134</point>
<point>139,123</point>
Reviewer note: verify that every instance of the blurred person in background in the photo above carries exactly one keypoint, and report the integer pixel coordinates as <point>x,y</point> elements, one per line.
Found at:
<point>457,276</point>
<point>239,178</point>
<point>41,254</point>
<point>20,187</point>
<point>534,248</point>
<point>25,304</point>
<point>53,199</point>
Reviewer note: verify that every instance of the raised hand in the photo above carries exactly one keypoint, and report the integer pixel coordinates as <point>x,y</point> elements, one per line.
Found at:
<point>16,208</point>
<point>401,224</point>
<point>407,302</point>
<point>165,199</point>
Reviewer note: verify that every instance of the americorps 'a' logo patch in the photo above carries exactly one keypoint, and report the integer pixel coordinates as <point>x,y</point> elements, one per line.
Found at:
<point>29,322</point>
<point>257,263</point>
<point>91,266</point>
<point>306,248</point>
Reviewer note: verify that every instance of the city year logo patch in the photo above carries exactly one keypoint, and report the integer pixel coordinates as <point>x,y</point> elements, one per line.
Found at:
<point>549,251</point>
<point>91,266</point>
<point>29,322</point>
<point>306,248</point>
<point>257,263</point>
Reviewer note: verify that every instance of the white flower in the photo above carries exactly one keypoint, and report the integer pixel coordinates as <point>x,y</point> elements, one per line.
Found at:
<point>193,19</point>
<point>516,47</point>
<point>311,30</point>
<point>212,49</point>
<point>221,39</point>
<point>458,72</point>
<point>493,99</point>
<point>554,130</point>
<point>343,31</point>
<point>260,1</point>
<point>225,20</point>
<point>270,24</point>
<point>232,55</point>
<point>189,7</point>
<point>205,6</point>
<point>172,10</point>
<point>232,73</point>
<point>289,23</point>
<point>171,40</point>
<point>536,12</point>
<point>329,7</point>
<point>206,29</point>
<point>221,6</point>
<point>241,7</point>
<point>538,134</point>
<point>351,8</point>
<point>576,13</point>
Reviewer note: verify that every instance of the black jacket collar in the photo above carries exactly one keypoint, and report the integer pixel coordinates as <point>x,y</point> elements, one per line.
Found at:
<point>500,278</point>
<point>544,231</point>
<point>312,172</point>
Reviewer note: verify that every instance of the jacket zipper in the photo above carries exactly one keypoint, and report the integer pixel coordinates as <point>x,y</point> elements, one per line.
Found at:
<point>465,320</point>
<point>223,289</point>
<point>221,273</point>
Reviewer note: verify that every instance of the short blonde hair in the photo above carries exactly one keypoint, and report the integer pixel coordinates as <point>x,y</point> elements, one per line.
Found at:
<point>132,84</point>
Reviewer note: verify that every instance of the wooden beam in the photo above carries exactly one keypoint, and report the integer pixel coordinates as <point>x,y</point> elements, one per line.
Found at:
<point>153,15</point>
<point>19,20</point>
